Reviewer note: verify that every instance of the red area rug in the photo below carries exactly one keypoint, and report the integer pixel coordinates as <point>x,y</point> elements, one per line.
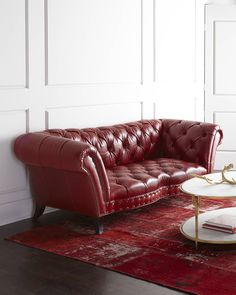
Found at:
<point>146,244</point>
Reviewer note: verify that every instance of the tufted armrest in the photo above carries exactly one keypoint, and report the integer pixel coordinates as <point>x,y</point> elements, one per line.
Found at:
<point>66,155</point>
<point>190,141</point>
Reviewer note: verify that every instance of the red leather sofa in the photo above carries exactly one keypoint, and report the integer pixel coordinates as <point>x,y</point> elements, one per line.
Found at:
<point>98,171</point>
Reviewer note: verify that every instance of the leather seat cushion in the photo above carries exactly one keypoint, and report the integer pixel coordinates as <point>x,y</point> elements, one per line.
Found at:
<point>147,176</point>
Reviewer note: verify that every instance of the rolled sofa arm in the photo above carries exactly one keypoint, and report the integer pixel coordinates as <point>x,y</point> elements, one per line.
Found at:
<point>68,166</point>
<point>191,141</point>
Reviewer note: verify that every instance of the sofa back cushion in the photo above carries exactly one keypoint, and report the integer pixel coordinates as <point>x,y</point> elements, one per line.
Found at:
<point>119,144</point>
<point>190,141</point>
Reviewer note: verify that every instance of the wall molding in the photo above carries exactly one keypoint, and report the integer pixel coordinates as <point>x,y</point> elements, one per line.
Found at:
<point>26,33</point>
<point>214,58</point>
<point>46,41</point>
<point>141,45</point>
<point>154,41</point>
<point>215,113</point>
<point>14,196</point>
<point>46,50</point>
<point>26,44</point>
<point>47,111</point>
<point>24,186</point>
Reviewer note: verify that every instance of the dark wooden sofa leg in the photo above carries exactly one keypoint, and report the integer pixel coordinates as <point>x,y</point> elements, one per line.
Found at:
<point>39,209</point>
<point>98,225</point>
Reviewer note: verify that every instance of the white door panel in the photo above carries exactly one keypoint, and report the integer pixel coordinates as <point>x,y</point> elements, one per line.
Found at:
<point>220,77</point>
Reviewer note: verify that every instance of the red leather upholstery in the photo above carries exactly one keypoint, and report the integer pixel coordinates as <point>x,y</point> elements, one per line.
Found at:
<point>131,184</point>
<point>97,171</point>
<point>61,169</point>
<point>190,141</point>
<point>120,144</point>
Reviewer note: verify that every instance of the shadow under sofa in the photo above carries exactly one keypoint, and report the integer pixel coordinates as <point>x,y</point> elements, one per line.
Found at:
<point>99,171</point>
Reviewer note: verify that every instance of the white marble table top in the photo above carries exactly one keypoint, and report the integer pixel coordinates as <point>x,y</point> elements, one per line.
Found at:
<point>199,187</point>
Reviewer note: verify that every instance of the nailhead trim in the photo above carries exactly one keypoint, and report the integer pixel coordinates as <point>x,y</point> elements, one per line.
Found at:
<point>142,200</point>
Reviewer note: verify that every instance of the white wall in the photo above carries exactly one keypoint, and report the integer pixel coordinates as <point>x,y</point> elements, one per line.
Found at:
<point>81,63</point>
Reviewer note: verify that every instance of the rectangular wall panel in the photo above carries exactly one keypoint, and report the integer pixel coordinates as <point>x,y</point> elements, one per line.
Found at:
<point>148,110</point>
<point>90,41</point>
<point>224,57</point>
<point>92,116</point>
<point>176,102</point>
<point>224,158</point>
<point>175,41</point>
<point>13,175</point>
<point>227,122</point>
<point>175,52</point>
<point>13,49</point>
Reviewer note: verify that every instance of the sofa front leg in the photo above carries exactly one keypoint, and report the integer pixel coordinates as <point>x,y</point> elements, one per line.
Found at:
<point>39,209</point>
<point>98,225</point>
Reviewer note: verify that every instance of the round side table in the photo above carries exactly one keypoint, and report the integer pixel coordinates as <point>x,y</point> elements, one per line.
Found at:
<point>199,189</point>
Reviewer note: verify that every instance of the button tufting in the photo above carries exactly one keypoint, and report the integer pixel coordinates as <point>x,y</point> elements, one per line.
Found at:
<point>117,178</point>
<point>124,147</point>
<point>136,178</point>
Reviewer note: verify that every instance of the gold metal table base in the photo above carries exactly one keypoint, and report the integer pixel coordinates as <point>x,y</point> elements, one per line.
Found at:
<point>196,203</point>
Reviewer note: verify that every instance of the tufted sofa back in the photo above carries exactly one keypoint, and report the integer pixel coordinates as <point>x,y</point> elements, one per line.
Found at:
<point>119,144</point>
<point>190,141</point>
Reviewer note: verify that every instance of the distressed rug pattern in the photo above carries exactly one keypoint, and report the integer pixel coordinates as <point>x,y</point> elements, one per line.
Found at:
<point>145,243</point>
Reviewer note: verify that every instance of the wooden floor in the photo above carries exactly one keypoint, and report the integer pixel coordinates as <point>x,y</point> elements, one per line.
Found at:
<point>28,271</point>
